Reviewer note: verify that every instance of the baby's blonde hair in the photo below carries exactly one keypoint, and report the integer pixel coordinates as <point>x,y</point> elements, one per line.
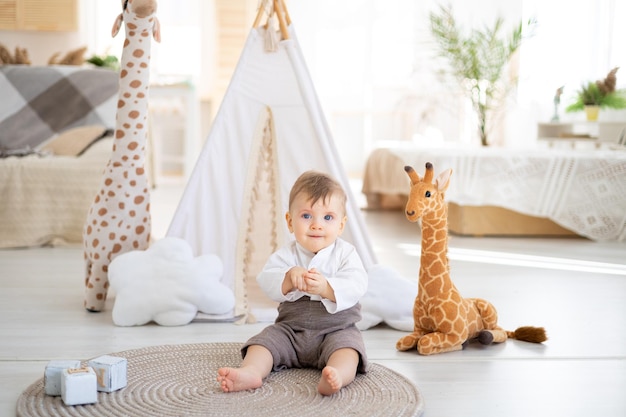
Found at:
<point>317,186</point>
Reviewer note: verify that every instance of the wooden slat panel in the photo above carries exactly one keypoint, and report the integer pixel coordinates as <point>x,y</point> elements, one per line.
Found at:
<point>8,14</point>
<point>43,15</point>
<point>234,20</point>
<point>52,15</point>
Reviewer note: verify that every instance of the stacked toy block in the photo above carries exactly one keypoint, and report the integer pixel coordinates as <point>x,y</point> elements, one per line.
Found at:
<point>77,384</point>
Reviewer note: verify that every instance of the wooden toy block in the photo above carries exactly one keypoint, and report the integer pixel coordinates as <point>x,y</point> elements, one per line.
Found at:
<point>110,372</point>
<point>53,373</point>
<point>79,386</point>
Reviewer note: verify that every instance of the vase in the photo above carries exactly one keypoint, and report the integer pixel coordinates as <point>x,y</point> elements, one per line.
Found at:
<point>592,112</point>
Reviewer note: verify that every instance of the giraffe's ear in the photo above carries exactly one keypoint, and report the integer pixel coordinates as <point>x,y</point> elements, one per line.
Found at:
<point>117,25</point>
<point>156,30</point>
<point>443,180</point>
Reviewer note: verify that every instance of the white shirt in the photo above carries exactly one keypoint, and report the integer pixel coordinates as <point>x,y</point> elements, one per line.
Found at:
<point>339,263</point>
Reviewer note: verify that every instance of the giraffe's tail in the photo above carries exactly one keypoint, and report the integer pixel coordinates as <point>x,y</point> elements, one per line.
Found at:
<point>528,334</point>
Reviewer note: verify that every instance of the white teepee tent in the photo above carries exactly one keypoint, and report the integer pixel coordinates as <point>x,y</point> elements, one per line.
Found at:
<point>269,129</point>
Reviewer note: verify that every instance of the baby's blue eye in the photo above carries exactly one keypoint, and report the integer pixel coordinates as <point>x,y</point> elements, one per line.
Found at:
<point>306,216</point>
<point>328,217</point>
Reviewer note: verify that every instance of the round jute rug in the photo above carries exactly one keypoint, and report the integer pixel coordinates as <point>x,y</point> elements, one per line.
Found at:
<point>180,380</point>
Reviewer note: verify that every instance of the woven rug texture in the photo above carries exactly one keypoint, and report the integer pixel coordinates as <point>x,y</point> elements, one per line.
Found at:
<point>180,380</point>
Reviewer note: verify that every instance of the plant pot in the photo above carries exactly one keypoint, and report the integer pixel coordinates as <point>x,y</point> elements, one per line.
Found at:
<point>592,112</point>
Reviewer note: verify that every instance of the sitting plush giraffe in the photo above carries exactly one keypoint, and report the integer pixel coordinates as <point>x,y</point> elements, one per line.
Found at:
<point>445,321</point>
<point>118,220</point>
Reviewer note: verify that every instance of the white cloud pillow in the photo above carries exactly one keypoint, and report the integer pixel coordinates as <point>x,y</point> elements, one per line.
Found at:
<point>167,284</point>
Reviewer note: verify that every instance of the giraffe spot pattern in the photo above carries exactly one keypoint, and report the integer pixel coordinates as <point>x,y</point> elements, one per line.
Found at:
<point>119,218</point>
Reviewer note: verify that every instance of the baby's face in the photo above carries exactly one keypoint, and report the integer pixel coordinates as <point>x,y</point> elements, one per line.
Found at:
<point>316,226</point>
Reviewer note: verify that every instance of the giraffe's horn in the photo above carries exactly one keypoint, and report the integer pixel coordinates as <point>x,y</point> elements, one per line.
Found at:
<point>412,174</point>
<point>428,176</point>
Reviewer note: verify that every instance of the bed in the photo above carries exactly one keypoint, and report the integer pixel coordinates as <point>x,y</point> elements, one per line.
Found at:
<point>55,139</point>
<point>496,191</point>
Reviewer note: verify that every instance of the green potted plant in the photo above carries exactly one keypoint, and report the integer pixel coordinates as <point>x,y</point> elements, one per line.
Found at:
<point>594,96</point>
<point>105,61</point>
<point>477,60</point>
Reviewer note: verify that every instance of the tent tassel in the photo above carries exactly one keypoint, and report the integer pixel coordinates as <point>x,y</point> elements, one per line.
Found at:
<point>271,35</point>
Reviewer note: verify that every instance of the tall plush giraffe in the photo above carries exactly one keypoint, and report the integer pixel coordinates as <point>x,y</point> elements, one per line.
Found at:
<point>445,321</point>
<point>119,218</point>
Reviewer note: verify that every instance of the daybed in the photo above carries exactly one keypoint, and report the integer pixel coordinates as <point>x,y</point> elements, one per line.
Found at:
<point>54,122</point>
<point>496,191</point>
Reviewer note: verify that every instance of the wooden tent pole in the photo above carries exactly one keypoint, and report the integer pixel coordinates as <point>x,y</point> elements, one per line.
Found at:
<point>278,9</point>
<point>259,15</point>
<point>285,11</point>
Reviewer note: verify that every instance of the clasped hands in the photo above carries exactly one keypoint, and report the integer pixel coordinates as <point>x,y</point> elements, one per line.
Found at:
<point>310,281</point>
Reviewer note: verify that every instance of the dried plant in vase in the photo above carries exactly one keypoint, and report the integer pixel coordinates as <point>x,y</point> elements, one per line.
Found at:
<point>599,94</point>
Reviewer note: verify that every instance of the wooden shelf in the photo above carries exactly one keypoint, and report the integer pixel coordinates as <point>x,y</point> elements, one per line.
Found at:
<point>583,131</point>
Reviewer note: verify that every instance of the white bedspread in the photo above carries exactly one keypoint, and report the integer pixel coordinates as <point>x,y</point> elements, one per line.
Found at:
<point>584,191</point>
<point>44,199</point>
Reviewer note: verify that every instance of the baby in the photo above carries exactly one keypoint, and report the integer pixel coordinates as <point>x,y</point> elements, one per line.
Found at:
<point>318,280</point>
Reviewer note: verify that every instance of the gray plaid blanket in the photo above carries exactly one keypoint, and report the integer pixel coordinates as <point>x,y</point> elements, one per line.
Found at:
<point>37,103</point>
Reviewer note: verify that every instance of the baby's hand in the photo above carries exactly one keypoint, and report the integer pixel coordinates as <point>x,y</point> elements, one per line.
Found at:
<point>317,283</point>
<point>295,279</point>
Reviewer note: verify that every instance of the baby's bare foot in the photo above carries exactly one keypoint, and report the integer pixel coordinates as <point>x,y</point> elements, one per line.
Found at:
<point>237,379</point>
<point>330,382</point>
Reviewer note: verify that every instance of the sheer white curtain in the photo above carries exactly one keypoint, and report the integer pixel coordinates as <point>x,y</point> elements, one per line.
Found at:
<point>391,57</point>
<point>575,42</point>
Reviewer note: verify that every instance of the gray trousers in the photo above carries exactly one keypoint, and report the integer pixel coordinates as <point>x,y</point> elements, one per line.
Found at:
<point>305,335</point>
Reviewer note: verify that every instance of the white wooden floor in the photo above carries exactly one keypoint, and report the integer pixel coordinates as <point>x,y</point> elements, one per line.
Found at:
<point>575,288</point>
